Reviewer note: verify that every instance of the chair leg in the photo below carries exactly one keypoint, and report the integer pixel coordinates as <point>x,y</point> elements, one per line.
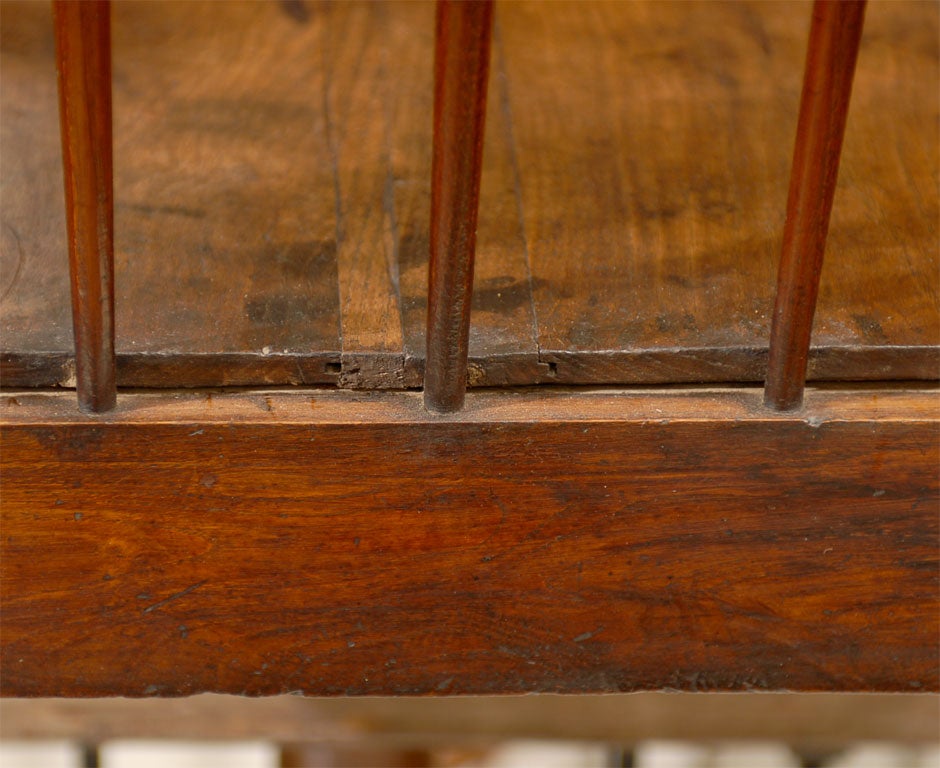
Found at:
<point>83,58</point>
<point>827,85</point>
<point>462,56</point>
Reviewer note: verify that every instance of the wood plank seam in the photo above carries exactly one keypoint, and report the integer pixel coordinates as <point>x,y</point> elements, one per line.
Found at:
<point>462,59</point>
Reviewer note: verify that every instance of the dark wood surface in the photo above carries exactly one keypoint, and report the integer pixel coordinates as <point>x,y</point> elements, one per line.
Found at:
<point>351,543</point>
<point>83,62</point>
<point>832,51</point>
<point>461,74</point>
<point>272,210</point>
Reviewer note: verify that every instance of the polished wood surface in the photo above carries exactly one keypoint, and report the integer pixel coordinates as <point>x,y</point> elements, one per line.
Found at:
<point>83,61</point>
<point>272,210</point>
<point>461,74</point>
<point>352,543</point>
<point>832,51</point>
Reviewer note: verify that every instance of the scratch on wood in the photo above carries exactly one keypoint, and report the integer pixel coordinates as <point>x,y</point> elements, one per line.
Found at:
<point>175,596</point>
<point>588,635</point>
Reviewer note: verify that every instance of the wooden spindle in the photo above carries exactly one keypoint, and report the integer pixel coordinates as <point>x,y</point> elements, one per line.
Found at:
<point>83,58</point>
<point>461,67</point>
<point>827,85</point>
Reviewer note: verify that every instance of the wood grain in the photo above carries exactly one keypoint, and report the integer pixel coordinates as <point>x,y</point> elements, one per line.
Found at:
<point>461,74</point>
<point>832,51</point>
<point>342,543</point>
<point>637,158</point>
<point>226,265</point>
<point>654,142</point>
<point>502,347</point>
<point>359,74</point>
<point>83,62</point>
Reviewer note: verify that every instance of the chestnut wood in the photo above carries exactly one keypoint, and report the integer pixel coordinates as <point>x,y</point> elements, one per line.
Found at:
<point>834,39</point>
<point>83,59</point>
<point>343,543</point>
<point>637,159</point>
<point>461,72</point>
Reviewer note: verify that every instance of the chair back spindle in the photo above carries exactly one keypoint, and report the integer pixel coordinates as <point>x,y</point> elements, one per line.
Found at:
<point>462,53</point>
<point>827,84</point>
<point>461,67</point>
<point>83,58</point>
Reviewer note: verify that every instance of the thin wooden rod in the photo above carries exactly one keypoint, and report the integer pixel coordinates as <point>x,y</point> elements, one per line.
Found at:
<point>83,58</point>
<point>461,67</point>
<point>827,85</point>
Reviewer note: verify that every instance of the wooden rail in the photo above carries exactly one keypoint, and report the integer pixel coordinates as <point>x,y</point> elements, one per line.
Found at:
<point>544,541</point>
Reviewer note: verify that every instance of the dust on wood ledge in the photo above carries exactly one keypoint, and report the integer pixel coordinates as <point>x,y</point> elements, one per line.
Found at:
<point>272,209</point>
<point>349,543</point>
<point>913,401</point>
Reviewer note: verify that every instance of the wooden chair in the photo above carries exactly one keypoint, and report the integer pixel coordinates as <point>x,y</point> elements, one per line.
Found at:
<point>506,540</point>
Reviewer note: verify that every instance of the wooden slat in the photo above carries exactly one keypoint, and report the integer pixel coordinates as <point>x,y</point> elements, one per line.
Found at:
<point>225,211</point>
<point>544,541</point>
<point>827,86</point>
<point>358,81</point>
<point>83,58</point>
<point>461,75</point>
<point>409,38</point>
<point>227,178</point>
<point>503,334</point>
<point>654,143</point>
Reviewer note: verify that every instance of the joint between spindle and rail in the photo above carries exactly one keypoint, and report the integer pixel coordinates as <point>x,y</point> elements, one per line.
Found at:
<point>83,59</point>
<point>461,69</point>
<point>835,34</point>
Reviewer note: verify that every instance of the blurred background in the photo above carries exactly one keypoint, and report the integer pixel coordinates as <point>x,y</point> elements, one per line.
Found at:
<point>646,730</point>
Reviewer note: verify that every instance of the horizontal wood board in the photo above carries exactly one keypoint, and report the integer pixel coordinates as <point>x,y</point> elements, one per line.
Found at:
<point>343,543</point>
<point>272,170</point>
<point>814,720</point>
